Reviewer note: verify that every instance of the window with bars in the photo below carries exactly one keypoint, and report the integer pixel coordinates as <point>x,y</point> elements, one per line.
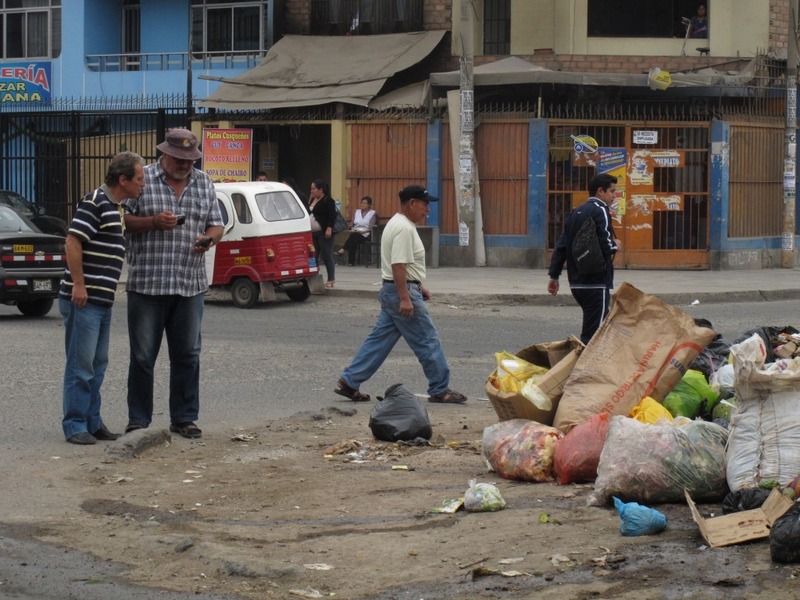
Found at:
<point>497,26</point>
<point>229,26</point>
<point>30,28</point>
<point>365,17</point>
<point>131,34</point>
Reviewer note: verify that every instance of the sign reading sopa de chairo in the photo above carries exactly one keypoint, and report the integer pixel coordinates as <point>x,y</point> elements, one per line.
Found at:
<point>25,83</point>
<point>643,136</point>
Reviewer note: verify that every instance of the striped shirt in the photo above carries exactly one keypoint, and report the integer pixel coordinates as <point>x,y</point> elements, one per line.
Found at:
<point>163,263</point>
<point>98,225</point>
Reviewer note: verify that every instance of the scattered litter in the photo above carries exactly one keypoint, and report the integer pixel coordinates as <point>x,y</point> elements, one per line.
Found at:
<point>190,472</point>
<point>695,302</point>
<point>511,561</point>
<point>483,497</point>
<point>187,481</point>
<point>479,572</point>
<point>244,437</point>
<point>402,468</point>
<point>118,479</point>
<point>452,306</point>
<point>559,559</point>
<point>344,447</point>
<point>318,566</point>
<point>307,593</point>
<point>638,519</point>
<point>448,506</point>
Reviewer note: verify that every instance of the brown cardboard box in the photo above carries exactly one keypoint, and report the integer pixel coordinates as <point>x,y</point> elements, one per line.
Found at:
<point>559,357</point>
<point>742,526</point>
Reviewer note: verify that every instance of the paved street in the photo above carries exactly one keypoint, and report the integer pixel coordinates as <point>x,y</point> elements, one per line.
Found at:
<point>270,362</point>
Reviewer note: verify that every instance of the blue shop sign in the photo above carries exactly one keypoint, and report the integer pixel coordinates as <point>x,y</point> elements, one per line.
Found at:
<point>25,83</point>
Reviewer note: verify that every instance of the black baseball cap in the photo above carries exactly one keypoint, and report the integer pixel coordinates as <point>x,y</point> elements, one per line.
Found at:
<point>416,192</point>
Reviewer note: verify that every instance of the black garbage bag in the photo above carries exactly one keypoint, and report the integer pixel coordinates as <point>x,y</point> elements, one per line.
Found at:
<point>784,537</point>
<point>713,356</point>
<point>399,415</point>
<point>744,500</point>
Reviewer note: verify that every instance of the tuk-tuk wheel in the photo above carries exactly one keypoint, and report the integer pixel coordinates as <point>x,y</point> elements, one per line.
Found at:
<point>244,293</point>
<point>299,294</point>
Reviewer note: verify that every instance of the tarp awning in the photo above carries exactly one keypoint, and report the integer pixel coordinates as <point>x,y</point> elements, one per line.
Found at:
<point>313,70</point>
<point>517,70</point>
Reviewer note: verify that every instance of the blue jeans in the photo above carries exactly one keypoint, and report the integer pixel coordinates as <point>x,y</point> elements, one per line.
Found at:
<point>419,333</point>
<point>86,335</point>
<point>149,317</point>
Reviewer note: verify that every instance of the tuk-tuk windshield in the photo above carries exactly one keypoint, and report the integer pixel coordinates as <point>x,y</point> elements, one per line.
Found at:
<point>279,206</point>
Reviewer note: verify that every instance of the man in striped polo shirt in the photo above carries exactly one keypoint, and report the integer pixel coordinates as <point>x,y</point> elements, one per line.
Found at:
<point>95,255</point>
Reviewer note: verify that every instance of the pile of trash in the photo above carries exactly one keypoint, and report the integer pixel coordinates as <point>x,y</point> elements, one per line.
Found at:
<point>657,408</point>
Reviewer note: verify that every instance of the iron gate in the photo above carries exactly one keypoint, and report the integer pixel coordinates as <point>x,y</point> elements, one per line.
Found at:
<point>662,207</point>
<point>55,158</point>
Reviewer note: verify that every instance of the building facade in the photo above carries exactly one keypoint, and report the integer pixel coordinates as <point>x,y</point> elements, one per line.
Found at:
<point>562,90</point>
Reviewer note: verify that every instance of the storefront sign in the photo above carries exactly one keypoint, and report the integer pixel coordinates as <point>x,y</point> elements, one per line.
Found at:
<point>227,154</point>
<point>25,83</point>
<point>641,136</point>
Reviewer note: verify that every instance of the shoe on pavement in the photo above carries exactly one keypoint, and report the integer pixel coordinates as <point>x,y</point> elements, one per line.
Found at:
<point>105,435</point>
<point>84,438</point>
<point>448,397</point>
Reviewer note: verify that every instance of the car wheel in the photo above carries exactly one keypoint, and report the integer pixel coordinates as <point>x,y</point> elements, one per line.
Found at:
<point>35,308</point>
<point>299,294</point>
<point>244,293</point>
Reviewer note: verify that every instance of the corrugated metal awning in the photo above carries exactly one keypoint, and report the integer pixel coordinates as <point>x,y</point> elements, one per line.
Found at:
<point>517,70</point>
<point>313,70</point>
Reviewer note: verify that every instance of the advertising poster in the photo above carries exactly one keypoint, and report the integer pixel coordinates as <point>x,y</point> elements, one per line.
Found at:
<point>25,83</point>
<point>227,154</point>
<point>613,161</point>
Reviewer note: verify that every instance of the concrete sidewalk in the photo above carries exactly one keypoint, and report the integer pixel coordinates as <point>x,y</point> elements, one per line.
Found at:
<point>501,285</point>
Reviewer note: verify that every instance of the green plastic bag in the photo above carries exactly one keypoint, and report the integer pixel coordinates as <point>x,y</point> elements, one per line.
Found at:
<point>691,397</point>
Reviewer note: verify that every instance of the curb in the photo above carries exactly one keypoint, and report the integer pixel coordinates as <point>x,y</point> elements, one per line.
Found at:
<point>566,299</point>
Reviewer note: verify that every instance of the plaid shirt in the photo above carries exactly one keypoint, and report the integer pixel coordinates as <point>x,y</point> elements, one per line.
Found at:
<point>162,263</point>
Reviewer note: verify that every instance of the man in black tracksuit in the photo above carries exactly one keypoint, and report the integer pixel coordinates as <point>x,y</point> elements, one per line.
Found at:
<point>591,291</point>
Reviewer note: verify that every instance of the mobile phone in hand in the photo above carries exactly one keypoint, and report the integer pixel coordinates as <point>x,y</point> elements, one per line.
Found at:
<point>181,219</point>
<point>203,242</point>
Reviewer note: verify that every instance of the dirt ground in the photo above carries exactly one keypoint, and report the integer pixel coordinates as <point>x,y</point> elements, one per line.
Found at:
<point>263,513</point>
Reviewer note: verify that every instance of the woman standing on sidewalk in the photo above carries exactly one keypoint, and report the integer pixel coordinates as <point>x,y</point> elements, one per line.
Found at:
<point>322,210</point>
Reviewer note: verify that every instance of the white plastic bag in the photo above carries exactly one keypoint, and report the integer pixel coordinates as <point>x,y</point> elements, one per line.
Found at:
<point>483,497</point>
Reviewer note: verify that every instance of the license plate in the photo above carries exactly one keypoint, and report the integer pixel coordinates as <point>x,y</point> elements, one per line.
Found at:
<point>42,285</point>
<point>23,248</point>
<point>312,262</point>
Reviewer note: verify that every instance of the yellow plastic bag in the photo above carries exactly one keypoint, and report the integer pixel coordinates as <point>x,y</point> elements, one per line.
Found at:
<point>512,372</point>
<point>650,411</point>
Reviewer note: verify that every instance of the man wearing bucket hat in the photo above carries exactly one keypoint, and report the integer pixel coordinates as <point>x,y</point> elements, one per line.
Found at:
<point>172,224</point>
<point>404,312</point>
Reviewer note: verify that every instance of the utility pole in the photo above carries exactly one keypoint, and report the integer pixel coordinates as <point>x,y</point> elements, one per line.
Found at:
<point>470,225</point>
<point>466,183</point>
<point>790,144</point>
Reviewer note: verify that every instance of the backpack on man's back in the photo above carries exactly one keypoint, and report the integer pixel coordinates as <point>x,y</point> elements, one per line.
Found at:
<point>586,251</point>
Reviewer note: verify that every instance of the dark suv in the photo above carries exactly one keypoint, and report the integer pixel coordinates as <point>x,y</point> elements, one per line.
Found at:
<point>31,264</point>
<point>46,223</point>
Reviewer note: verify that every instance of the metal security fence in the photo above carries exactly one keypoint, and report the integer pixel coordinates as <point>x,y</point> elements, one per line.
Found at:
<point>54,158</point>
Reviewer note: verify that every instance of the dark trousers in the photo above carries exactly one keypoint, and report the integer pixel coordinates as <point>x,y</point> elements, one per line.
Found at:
<point>352,245</point>
<point>595,303</point>
<point>324,248</point>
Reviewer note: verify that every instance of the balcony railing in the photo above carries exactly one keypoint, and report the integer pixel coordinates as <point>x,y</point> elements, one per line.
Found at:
<point>365,17</point>
<point>173,61</point>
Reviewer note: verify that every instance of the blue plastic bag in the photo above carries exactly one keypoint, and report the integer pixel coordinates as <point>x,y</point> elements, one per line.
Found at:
<point>638,519</point>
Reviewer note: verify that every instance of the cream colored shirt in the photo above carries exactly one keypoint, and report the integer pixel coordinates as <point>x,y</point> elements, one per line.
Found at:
<point>401,244</point>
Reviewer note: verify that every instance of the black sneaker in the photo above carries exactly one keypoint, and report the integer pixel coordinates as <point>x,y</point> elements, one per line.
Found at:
<point>84,438</point>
